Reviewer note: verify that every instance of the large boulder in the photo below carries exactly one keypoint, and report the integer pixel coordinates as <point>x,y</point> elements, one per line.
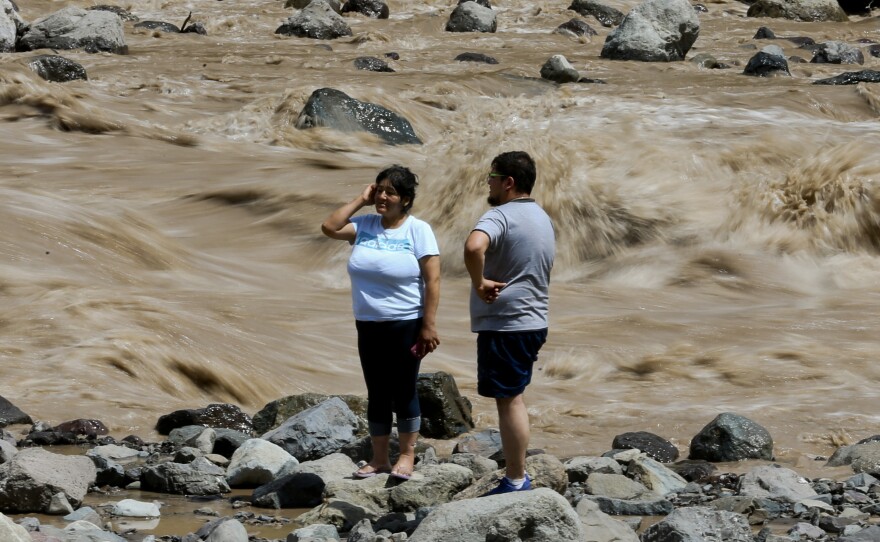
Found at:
<point>318,21</point>
<point>257,462</point>
<point>445,412</point>
<point>559,70</point>
<point>430,486</point>
<point>214,415</point>
<point>471,17</point>
<point>9,413</point>
<point>540,515</point>
<point>33,477</point>
<point>698,524</point>
<point>275,413</point>
<point>731,437</point>
<point>377,9</point>
<point>333,108</point>
<point>316,432</point>
<point>837,52</point>
<point>76,28</point>
<point>768,62</point>
<point>798,10</point>
<point>653,445</point>
<point>11,25</point>
<point>57,69</point>
<point>656,31</point>
<point>775,482</point>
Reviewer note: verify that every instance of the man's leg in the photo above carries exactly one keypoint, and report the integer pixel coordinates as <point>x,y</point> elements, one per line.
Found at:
<point>513,422</point>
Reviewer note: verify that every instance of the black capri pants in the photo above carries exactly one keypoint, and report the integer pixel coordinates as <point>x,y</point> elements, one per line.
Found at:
<point>390,371</point>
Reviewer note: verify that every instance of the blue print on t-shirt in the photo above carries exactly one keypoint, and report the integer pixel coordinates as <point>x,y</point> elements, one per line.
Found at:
<point>364,239</point>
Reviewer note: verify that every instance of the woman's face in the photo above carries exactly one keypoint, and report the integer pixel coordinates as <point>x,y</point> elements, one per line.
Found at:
<point>388,201</point>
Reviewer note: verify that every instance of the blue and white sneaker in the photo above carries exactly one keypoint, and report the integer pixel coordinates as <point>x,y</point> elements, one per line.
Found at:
<point>504,486</point>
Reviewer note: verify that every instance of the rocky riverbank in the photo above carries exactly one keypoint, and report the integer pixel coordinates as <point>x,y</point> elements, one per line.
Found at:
<point>299,452</point>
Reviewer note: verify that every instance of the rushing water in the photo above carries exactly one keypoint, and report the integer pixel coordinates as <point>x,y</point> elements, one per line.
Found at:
<point>718,234</point>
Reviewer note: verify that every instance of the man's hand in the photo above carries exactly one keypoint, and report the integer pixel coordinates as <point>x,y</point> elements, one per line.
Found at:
<point>488,290</point>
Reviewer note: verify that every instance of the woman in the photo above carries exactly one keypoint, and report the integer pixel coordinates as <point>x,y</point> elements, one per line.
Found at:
<point>395,286</point>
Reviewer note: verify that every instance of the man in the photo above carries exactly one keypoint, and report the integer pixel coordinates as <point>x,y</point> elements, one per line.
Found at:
<point>509,255</point>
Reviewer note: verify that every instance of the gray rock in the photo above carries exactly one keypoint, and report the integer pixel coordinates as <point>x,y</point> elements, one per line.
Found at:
<point>215,415</point>
<point>257,462</point>
<point>656,477</point>
<point>471,17</point>
<point>767,64</point>
<point>201,477</point>
<point>579,468</point>
<point>314,532</point>
<point>430,486</point>
<point>541,515</point>
<point>837,52</point>
<point>298,490</point>
<point>777,483</point>
<point>372,64</point>
<point>183,436</point>
<point>485,443</point>
<point>808,531</point>
<point>83,531</point>
<point>75,28</point>
<point>223,530</point>
<point>336,466</point>
<point>9,413</point>
<point>335,5</point>
<point>342,514</point>
<point>559,70</point>
<point>362,532</point>
<point>798,10</point>
<point>277,412</point>
<point>575,27</point>
<point>600,527</point>
<point>654,446</point>
<point>375,9</point>
<point>7,451</point>
<point>205,441</point>
<point>655,31</point>
<point>113,451</point>
<point>637,507</point>
<point>332,108</point>
<point>59,505</point>
<point>318,431</point>
<point>371,494</point>
<point>731,437</point>
<point>34,476</point>
<point>86,513</point>
<point>614,486</point>
<point>870,534</point>
<point>699,524</point>
<point>606,15</point>
<point>10,532</point>
<point>11,25</point>
<point>480,466</point>
<point>317,21</point>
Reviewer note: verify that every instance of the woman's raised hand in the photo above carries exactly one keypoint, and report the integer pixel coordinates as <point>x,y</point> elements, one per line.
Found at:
<point>369,194</point>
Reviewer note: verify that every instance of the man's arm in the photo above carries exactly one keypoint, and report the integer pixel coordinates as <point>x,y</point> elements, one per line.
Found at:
<point>475,248</point>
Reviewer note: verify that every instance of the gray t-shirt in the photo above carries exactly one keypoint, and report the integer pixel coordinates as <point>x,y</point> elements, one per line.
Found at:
<point>522,246</point>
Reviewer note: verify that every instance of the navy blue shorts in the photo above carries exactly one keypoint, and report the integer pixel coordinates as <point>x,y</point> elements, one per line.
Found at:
<point>505,359</point>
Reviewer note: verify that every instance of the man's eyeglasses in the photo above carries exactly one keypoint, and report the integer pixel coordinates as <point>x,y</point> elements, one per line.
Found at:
<point>489,176</point>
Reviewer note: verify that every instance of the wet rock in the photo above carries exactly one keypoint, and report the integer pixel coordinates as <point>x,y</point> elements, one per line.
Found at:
<point>655,31</point>
<point>226,441</point>
<point>34,476</point>
<point>653,445</point>
<point>874,50</point>
<point>135,509</point>
<point>476,57</point>
<point>195,28</point>
<point>484,3</point>
<point>540,515</point>
<point>731,437</point>
<point>700,8</point>
<point>9,413</point>
<point>445,412</point>
<point>708,62</point>
<point>75,28</point>
<point>559,70</point>
<point>317,21</point>
<point>699,523</point>
<point>201,477</point>
<point>214,415</point>
<point>88,428</point>
<point>275,413</point>
<point>767,64</point>
<point>575,27</point>
<point>332,108</point>
<point>316,432</point>
<point>764,33</point>
<point>606,15</point>
<point>160,26</point>
<point>694,470</point>
<point>798,10</point>
<point>373,64</point>
<point>471,17</point>
<point>335,5</point>
<point>121,12</point>
<point>837,52</point>
<point>375,9</point>
<point>299,490</point>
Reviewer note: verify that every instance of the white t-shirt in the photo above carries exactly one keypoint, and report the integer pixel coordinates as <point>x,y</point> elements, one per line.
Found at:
<point>386,280</point>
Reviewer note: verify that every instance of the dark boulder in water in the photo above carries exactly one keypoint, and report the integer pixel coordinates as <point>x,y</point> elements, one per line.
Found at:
<point>161,26</point>
<point>851,78</point>
<point>214,415</point>
<point>874,50</point>
<point>57,68</point>
<point>89,428</point>
<point>655,446</point>
<point>765,64</point>
<point>373,64</point>
<point>472,17</point>
<point>576,27</point>
<point>837,52</point>
<point>11,414</point>
<point>607,16</point>
<point>476,57</point>
<point>335,109</point>
<point>123,13</point>
<point>764,33</point>
<point>857,7</point>
<point>731,437</point>
<point>318,21</point>
<point>371,8</point>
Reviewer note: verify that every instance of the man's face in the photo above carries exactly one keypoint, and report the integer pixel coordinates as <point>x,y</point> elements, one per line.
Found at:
<point>495,181</point>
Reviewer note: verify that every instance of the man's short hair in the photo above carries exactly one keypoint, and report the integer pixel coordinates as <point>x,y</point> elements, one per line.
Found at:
<point>520,166</point>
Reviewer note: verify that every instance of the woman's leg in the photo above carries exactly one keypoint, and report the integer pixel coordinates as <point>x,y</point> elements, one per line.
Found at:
<point>379,399</point>
<point>405,393</point>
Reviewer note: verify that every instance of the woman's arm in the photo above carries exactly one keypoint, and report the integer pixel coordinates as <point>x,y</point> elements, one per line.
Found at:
<point>428,339</point>
<point>338,225</point>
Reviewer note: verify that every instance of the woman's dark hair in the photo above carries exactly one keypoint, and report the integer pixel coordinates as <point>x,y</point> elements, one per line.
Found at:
<point>520,166</point>
<point>403,180</point>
